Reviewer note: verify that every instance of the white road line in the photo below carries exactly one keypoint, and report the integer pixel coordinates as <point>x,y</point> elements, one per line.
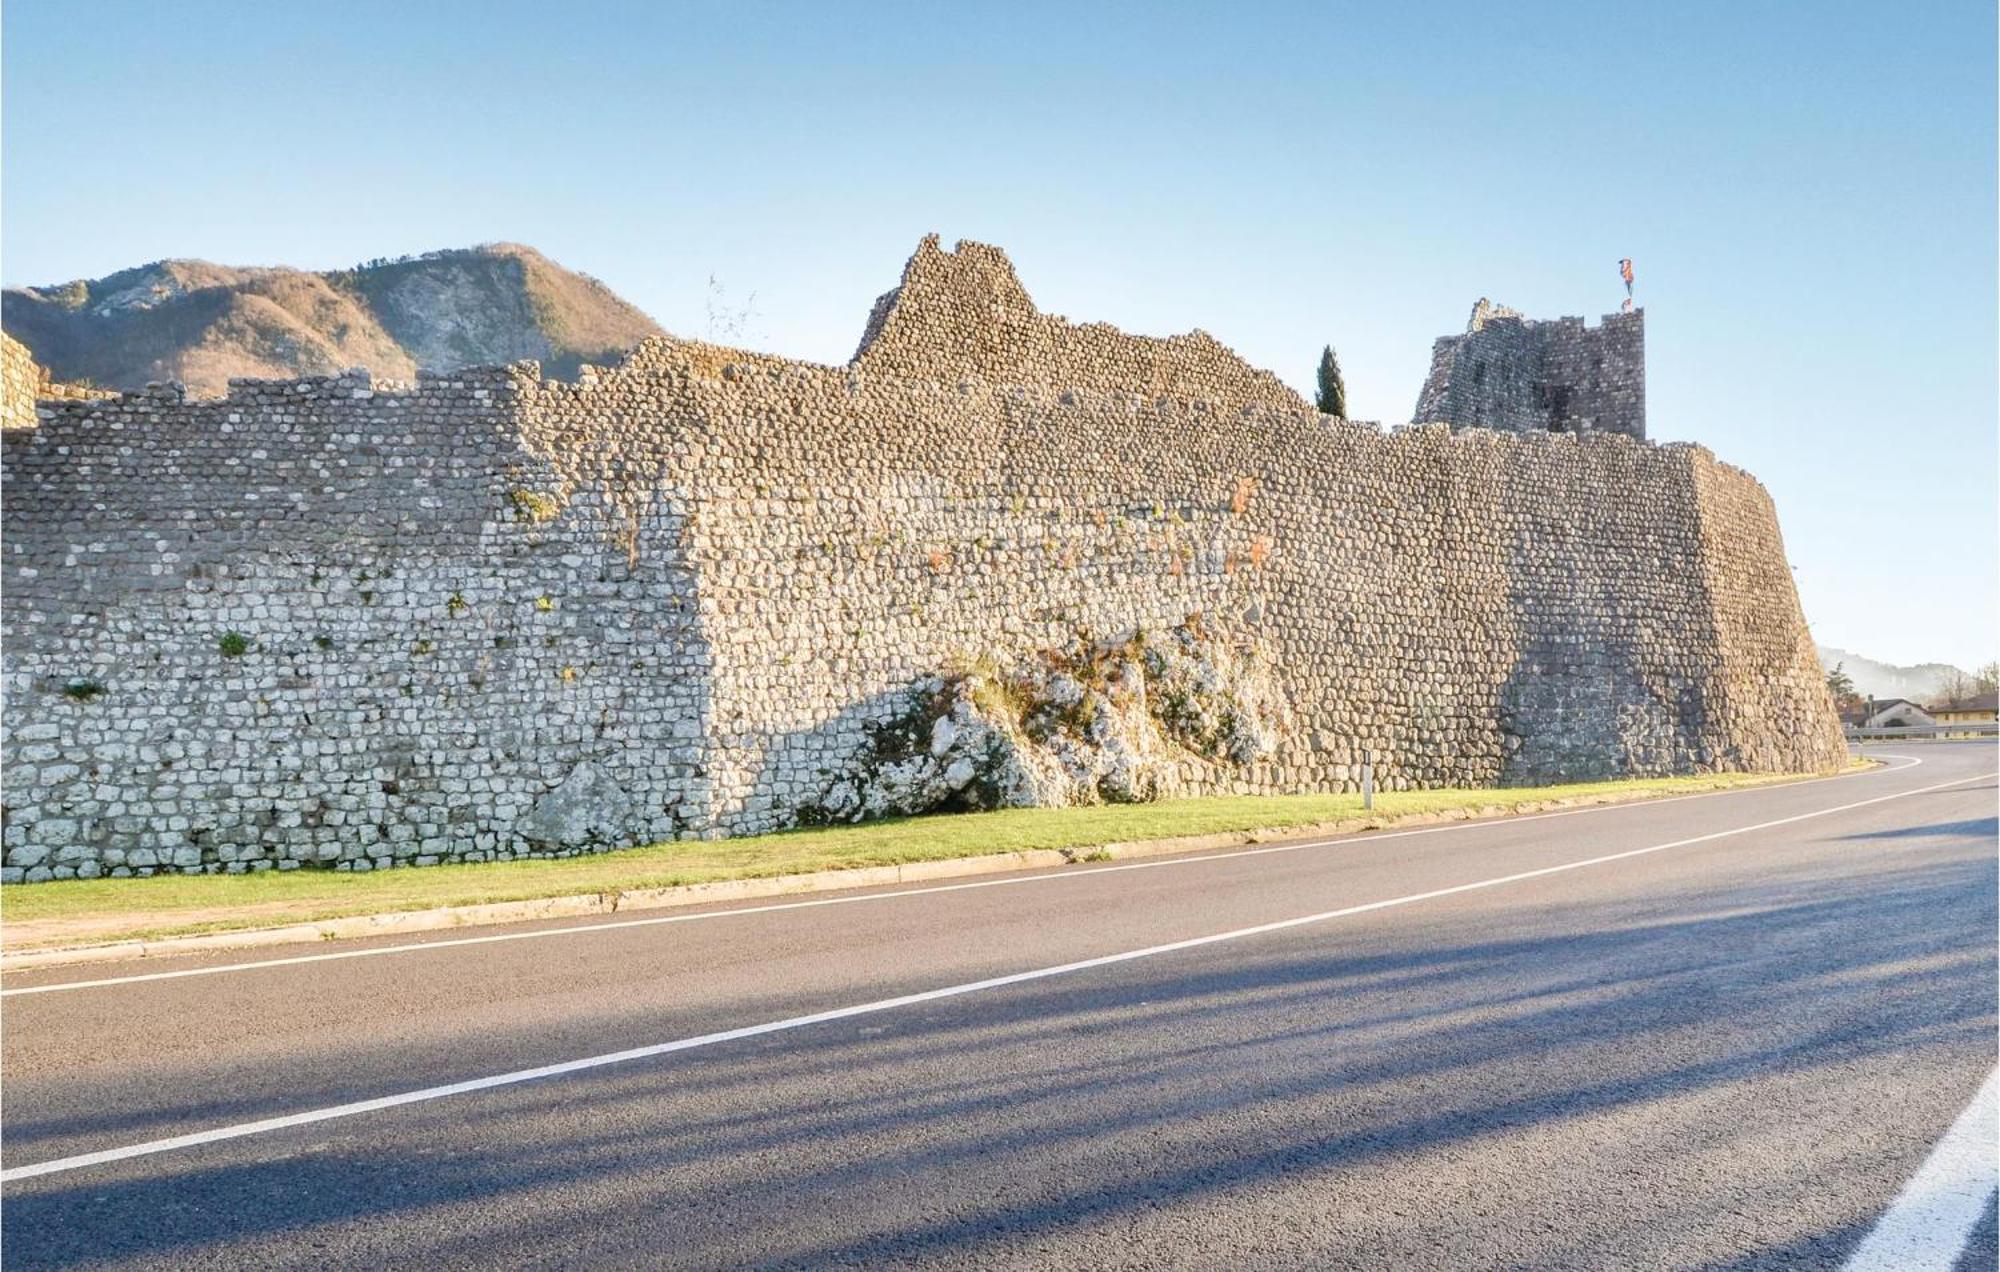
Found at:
<point>1062,876</point>
<point>266,1125</point>
<point>1930,1221</point>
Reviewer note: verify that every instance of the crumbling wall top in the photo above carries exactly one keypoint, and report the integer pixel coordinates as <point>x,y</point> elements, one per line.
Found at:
<point>1485,311</point>
<point>1517,374</point>
<point>964,314</point>
<point>24,382</point>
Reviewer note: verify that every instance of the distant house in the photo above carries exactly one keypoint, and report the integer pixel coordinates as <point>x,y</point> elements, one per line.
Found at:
<point>1894,713</point>
<point>1977,709</point>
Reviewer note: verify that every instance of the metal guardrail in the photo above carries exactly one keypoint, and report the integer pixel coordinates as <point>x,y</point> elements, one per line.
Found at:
<point>1967,729</point>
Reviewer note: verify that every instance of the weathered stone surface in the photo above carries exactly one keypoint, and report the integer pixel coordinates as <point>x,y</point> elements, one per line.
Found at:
<point>23,383</point>
<point>718,577</point>
<point>1511,373</point>
<point>589,807</point>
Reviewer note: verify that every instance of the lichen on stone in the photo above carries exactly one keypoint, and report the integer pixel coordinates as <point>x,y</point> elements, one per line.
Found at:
<point>535,507</point>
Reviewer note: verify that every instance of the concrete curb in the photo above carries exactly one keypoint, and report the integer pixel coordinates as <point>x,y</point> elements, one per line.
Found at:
<point>605,903</point>
<point>618,902</point>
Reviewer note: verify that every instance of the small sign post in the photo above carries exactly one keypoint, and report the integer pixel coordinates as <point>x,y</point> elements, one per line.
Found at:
<point>1367,779</point>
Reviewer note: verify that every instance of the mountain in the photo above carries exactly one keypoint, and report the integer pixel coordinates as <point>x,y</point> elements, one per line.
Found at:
<point>202,324</point>
<point>1920,684</point>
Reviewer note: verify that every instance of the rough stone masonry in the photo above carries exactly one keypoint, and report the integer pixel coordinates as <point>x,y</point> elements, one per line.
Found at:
<point>23,383</point>
<point>347,623</point>
<point>1515,374</point>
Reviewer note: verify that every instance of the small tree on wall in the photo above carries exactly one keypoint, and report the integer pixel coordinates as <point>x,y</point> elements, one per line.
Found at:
<point>1332,389</point>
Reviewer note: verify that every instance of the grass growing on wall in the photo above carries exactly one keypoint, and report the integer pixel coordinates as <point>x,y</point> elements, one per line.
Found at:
<point>105,909</point>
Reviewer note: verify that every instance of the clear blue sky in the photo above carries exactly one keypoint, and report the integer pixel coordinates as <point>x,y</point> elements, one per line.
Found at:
<point>1808,190</point>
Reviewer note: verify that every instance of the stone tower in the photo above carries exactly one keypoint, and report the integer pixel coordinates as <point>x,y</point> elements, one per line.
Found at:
<point>1517,375</point>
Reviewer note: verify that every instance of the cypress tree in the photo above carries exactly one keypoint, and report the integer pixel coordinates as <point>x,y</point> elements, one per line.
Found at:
<point>1332,389</point>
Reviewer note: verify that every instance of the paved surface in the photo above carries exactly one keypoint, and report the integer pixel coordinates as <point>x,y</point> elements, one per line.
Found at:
<point>1729,1053</point>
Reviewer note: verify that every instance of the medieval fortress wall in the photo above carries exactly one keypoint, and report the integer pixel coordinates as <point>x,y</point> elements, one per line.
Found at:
<point>348,623</point>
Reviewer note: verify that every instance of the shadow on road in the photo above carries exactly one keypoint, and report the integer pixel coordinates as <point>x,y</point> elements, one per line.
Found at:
<point>1096,1100</point>
<point>1987,828</point>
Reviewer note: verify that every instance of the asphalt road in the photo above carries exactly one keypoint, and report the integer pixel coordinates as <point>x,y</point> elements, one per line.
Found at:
<point>1730,1048</point>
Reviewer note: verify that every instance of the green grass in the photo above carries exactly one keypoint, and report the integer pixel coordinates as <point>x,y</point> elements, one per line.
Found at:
<point>165,905</point>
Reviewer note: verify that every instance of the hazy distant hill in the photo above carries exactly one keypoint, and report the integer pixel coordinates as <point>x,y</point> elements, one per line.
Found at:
<point>202,324</point>
<point>1885,680</point>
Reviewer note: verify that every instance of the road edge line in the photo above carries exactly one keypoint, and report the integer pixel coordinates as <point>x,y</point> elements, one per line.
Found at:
<point>1932,1218</point>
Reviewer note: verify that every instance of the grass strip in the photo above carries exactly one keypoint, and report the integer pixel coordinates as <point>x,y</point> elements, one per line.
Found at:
<point>176,904</point>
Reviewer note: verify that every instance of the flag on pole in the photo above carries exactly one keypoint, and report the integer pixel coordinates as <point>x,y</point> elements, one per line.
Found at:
<point>1625,272</point>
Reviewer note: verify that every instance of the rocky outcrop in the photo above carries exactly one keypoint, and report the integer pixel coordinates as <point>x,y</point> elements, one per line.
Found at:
<point>587,807</point>
<point>1142,718</point>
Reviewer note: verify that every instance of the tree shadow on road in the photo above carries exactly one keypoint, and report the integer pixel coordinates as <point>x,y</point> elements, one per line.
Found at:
<point>1085,1104</point>
<point>1987,828</point>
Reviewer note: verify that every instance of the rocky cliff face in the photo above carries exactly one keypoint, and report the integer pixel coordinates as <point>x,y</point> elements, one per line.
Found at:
<point>202,324</point>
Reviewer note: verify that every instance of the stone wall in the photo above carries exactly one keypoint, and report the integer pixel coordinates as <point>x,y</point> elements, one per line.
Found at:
<point>1517,375</point>
<point>19,378</point>
<point>964,313</point>
<point>345,623</point>
<point>23,382</point>
<point>328,620</point>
